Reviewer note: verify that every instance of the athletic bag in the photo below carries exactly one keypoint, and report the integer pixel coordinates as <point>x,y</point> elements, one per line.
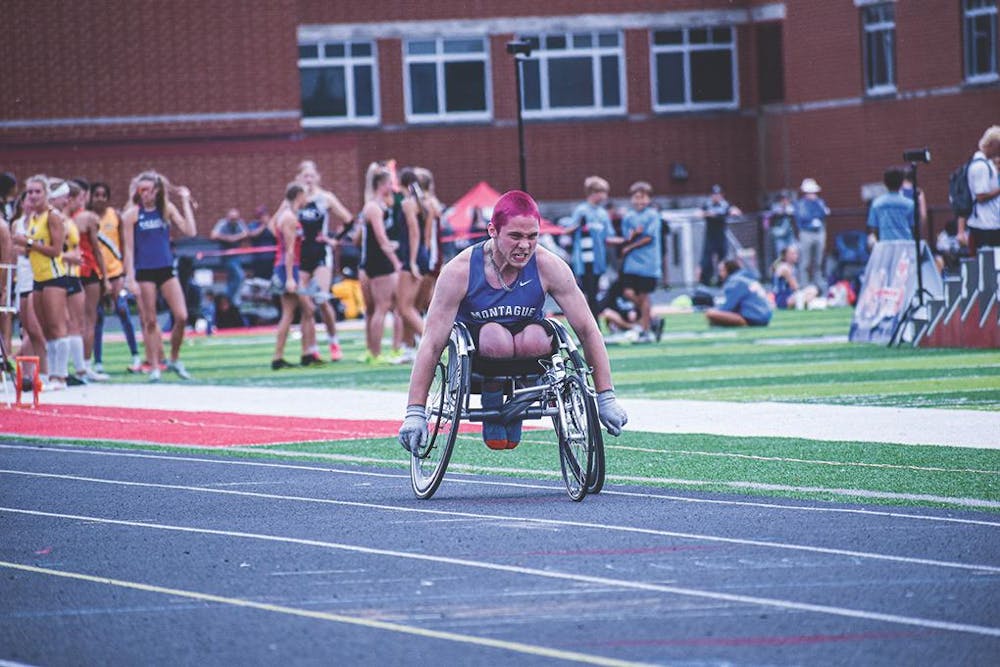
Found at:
<point>960,195</point>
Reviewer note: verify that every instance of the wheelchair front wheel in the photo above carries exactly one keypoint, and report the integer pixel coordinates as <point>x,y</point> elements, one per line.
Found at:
<point>576,364</point>
<point>575,426</point>
<point>444,411</point>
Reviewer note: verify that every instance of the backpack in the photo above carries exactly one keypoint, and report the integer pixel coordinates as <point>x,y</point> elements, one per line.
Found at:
<point>960,195</point>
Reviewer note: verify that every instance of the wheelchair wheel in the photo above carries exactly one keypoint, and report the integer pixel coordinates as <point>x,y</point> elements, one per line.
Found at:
<point>576,436</point>
<point>576,364</point>
<point>444,411</point>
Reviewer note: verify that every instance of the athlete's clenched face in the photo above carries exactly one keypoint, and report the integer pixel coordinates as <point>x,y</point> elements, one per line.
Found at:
<point>515,243</point>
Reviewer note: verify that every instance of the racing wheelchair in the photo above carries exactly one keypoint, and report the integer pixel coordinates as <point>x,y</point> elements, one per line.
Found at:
<point>556,385</point>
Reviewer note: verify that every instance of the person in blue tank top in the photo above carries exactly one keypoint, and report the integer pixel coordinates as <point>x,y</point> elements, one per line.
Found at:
<point>642,257</point>
<point>746,302</point>
<point>149,264</point>
<point>498,288</point>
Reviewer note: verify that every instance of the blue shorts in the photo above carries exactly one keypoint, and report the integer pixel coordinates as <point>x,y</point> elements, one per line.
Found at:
<point>279,277</point>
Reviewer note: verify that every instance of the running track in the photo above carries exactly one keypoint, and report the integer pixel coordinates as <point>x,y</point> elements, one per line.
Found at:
<point>125,557</point>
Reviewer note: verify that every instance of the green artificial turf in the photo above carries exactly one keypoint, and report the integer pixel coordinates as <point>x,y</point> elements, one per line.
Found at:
<point>802,357</point>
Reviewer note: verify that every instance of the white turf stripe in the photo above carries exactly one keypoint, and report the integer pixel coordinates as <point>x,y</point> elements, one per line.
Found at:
<point>549,574</point>
<point>517,647</point>
<point>496,517</point>
<point>782,459</point>
<point>70,449</point>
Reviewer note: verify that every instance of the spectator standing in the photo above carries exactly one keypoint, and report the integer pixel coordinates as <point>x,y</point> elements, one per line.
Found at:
<point>810,218</point>
<point>641,255</point>
<point>890,217</point>
<point>984,184</point>
<point>715,212</point>
<point>781,224</point>
<point>590,227</point>
<point>746,302</point>
<point>230,232</point>
<point>261,237</point>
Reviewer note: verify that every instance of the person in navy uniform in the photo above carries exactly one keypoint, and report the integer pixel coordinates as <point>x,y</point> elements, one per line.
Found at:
<point>497,288</point>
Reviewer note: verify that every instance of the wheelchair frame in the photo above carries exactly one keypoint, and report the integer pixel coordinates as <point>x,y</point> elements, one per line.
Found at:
<point>561,389</point>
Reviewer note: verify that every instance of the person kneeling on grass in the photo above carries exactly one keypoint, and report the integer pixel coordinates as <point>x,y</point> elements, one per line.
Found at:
<point>497,288</point>
<point>746,301</point>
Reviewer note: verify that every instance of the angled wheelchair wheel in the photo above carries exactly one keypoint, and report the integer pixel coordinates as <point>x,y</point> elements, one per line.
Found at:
<point>575,426</point>
<point>576,364</point>
<point>445,402</point>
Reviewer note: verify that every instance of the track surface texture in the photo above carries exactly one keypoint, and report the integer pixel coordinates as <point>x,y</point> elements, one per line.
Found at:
<point>135,557</point>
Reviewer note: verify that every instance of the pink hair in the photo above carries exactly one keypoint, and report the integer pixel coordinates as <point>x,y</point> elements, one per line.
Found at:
<point>511,205</point>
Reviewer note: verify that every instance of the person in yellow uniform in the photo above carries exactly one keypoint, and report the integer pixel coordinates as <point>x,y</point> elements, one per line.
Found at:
<point>43,243</point>
<point>111,243</point>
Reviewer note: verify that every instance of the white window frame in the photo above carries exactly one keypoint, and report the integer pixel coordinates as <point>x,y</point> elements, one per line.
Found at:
<point>439,58</point>
<point>687,48</point>
<point>348,62</point>
<point>969,14</point>
<point>595,52</point>
<point>868,29</point>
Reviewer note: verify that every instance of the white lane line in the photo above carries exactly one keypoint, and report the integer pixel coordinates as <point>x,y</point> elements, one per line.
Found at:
<point>70,449</point>
<point>477,469</point>
<point>784,459</point>
<point>516,647</point>
<point>526,520</point>
<point>550,574</point>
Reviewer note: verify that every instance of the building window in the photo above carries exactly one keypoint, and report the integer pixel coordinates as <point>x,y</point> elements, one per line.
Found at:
<point>980,28</point>
<point>879,22</point>
<point>446,79</point>
<point>337,82</point>
<point>573,74</point>
<point>694,68</point>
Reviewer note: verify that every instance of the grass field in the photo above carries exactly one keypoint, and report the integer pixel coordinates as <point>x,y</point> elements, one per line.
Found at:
<point>803,357</point>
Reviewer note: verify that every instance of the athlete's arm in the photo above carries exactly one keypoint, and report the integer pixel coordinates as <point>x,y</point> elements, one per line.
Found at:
<point>412,233</point>
<point>128,220</point>
<point>448,294</point>
<point>334,205</point>
<point>184,222</point>
<point>558,280</point>
<point>287,225</point>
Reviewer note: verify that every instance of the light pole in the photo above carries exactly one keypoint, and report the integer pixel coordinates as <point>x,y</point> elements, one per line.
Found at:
<point>521,50</point>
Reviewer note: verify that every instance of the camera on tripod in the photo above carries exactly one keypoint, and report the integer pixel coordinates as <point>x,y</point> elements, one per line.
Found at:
<point>921,155</point>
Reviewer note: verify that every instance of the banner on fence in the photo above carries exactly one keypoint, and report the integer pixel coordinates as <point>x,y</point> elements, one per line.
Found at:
<point>890,287</point>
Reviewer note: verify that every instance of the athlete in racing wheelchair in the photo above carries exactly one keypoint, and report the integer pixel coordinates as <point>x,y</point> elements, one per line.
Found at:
<point>486,332</point>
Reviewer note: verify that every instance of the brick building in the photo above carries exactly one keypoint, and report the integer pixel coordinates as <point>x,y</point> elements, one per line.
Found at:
<point>227,97</point>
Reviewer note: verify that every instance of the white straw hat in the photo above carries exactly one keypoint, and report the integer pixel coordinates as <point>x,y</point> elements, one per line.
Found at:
<point>809,186</point>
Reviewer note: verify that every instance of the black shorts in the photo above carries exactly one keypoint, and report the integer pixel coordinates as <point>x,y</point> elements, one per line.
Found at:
<point>91,279</point>
<point>519,366</point>
<point>639,284</point>
<point>423,262</point>
<point>313,257</point>
<point>74,286</point>
<point>62,282</point>
<point>377,264</point>
<point>158,276</point>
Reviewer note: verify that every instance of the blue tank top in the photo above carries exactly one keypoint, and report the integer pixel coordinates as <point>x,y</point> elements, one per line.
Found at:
<point>152,241</point>
<point>484,303</point>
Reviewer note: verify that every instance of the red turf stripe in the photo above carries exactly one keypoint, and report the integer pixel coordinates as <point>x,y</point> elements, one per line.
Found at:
<point>214,429</point>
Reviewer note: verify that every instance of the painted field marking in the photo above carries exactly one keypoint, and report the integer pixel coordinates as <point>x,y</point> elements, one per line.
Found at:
<point>909,560</point>
<point>482,482</point>
<point>517,647</point>
<point>514,569</point>
<point>782,459</point>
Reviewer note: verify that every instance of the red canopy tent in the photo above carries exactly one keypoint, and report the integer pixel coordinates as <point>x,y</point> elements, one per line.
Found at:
<point>459,215</point>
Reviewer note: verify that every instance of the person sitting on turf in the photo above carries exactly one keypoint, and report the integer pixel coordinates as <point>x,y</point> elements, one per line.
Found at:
<point>497,288</point>
<point>788,292</point>
<point>746,301</point>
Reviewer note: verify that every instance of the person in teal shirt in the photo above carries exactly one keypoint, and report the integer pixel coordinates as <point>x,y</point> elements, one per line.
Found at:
<point>890,217</point>
<point>590,227</point>
<point>746,302</point>
<point>642,255</point>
